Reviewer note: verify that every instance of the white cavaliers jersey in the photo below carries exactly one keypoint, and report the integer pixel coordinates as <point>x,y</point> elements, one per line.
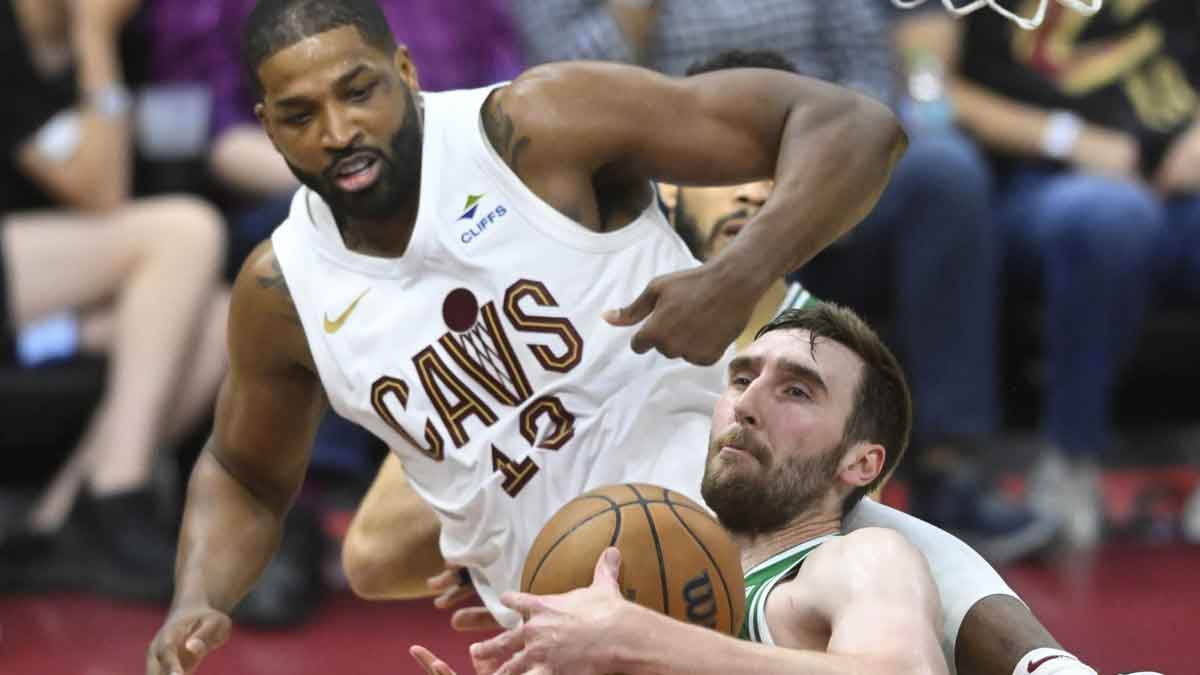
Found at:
<point>480,355</point>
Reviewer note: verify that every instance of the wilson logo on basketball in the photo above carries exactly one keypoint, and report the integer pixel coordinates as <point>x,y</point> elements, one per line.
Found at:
<point>700,600</point>
<point>478,344</point>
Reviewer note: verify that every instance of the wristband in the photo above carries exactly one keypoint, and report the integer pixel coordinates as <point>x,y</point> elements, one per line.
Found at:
<point>112,101</point>
<point>1047,661</point>
<point>1060,135</point>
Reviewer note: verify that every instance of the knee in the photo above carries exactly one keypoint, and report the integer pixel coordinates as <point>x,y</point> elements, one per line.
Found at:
<point>1113,225</point>
<point>366,564</point>
<point>190,226</point>
<point>937,165</point>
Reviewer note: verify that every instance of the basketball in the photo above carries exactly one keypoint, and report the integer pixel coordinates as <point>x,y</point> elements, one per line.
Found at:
<point>675,557</point>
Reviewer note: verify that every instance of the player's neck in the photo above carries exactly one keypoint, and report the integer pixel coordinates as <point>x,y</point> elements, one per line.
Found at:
<point>386,238</point>
<point>765,310</point>
<point>758,548</point>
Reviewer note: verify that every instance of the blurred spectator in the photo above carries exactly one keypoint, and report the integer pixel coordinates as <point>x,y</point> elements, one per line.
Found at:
<point>1093,120</point>
<point>842,42</point>
<point>140,278</point>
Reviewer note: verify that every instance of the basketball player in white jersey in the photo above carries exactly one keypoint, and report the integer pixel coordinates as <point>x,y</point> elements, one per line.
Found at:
<point>986,629</point>
<point>443,272</point>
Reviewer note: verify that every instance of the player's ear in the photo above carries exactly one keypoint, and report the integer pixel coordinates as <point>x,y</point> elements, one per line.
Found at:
<point>669,194</point>
<point>260,111</point>
<point>862,463</point>
<point>402,60</point>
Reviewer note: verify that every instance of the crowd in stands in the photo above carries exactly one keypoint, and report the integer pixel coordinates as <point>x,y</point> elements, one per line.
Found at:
<point>1047,210</point>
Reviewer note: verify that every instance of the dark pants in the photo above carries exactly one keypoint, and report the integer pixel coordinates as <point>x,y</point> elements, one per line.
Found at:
<point>1095,248</point>
<point>931,248</point>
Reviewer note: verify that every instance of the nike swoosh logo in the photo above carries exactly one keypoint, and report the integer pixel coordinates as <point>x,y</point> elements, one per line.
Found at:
<point>1034,665</point>
<point>334,326</point>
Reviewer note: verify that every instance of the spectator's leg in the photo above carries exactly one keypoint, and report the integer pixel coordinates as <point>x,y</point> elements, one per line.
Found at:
<point>1182,245</point>
<point>157,262</point>
<point>1092,238</point>
<point>202,374</point>
<point>946,253</point>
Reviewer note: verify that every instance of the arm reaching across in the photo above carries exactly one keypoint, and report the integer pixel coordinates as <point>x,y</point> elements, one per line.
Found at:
<point>588,138</point>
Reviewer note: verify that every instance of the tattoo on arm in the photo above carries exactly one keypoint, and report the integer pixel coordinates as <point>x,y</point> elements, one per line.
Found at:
<point>501,131</point>
<point>275,280</point>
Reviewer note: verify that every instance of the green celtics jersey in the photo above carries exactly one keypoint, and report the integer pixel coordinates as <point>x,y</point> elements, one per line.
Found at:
<point>762,578</point>
<point>796,298</point>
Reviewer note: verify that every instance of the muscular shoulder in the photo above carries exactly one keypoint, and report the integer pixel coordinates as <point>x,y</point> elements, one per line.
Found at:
<point>860,556</point>
<point>264,327</point>
<point>571,110</point>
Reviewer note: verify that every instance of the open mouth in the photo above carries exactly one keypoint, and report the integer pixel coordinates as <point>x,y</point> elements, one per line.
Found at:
<point>732,228</point>
<point>357,172</point>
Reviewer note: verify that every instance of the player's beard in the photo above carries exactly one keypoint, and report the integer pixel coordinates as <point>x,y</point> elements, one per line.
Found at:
<point>399,178</point>
<point>771,495</point>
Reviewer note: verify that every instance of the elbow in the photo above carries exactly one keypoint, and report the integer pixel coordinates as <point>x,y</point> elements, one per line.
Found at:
<point>876,121</point>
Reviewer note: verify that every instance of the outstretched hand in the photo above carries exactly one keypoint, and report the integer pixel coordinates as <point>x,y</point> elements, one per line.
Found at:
<point>568,633</point>
<point>692,314</point>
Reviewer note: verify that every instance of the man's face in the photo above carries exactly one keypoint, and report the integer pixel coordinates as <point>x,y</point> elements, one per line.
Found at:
<point>719,213</point>
<point>344,118</point>
<point>776,444</point>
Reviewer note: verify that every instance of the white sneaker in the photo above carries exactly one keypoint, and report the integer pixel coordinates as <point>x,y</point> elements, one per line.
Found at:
<point>1070,493</point>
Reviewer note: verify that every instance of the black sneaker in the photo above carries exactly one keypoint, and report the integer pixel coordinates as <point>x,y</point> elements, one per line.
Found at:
<point>33,563</point>
<point>291,587</point>
<point>1000,530</point>
<point>120,546</point>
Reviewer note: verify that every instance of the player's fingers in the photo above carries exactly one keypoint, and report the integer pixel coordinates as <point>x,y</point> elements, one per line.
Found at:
<point>634,312</point>
<point>454,596</point>
<point>448,578</point>
<point>471,619</point>
<point>164,660</point>
<point>430,663</point>
<point>517,665</point>
<point>608,568</point>
<point>499,648</point>
<point>210,633</point>
<point>519,602</point>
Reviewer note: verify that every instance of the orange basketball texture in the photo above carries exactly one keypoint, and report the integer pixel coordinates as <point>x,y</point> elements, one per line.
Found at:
<point>675,557</point>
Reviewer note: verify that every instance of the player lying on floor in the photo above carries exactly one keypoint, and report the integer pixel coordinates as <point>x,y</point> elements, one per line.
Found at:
<point>815,410</point>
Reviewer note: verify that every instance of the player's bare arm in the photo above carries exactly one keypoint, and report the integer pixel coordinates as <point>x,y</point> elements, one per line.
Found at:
<point>588,137</point>
<point>863,603</point>
<point>249,471</point>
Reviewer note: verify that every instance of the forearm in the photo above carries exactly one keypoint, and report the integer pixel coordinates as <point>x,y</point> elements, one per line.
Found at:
<point>644,648</point>
<point>243,158</point>
<point>835,159</point>
<point>99,176</point>
<point>228,537</point>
